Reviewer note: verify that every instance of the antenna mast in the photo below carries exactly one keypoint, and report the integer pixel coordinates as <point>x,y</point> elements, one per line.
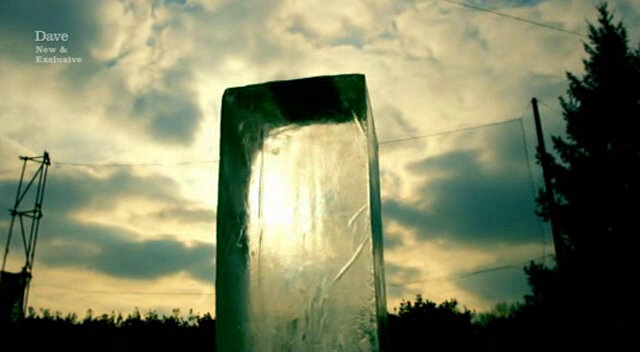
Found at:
<point>14,287</point>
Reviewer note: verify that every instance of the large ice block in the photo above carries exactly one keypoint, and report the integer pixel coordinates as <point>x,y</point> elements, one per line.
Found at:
<point>299,232</point>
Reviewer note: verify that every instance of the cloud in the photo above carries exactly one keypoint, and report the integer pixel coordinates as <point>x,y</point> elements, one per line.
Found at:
<point>69,240</point>
<point>170,118</point>
<point>497,286</point>
<point>397,274</point>
<point>127,83</point>
<point>392,240</point>
<point>180,214</point>
<point>471,198</point>
<point>493,4</point>
<point>68,192</point>
<point>393,121</point>
<point>19,19</point>
<point>116,252</point>
<point>77,18</point>
<point>169,112</point>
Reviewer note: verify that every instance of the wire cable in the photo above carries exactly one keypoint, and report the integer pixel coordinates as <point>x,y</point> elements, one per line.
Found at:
<point>213,161</point>
<point>160,293</point>
<point>554,109</point>
<point>123,164</point>
<point>531,182</point>
<point>410,138</point>
<point>462,275</point>
<point>2,171</point>
<point>516,18</point>
<point>456,276</point>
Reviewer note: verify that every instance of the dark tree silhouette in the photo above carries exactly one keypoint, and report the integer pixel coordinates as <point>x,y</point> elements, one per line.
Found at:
<point>595,181</point>
<point>426,326</point>
<point>135,332</point>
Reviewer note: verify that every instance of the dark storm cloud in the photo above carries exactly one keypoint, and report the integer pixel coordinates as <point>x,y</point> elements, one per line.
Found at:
<point>400,273</point>
<point>396,274</point>
<point>469,202</point>
<point>392,240</point>
<point>175,2</point>
<point>154,258</point>
<point>182,215</point>
<point>502,285</point>
<point>67,192</point>
<point>20,18</point>
<point>169,111</point>
<point>494,4</point>
<point>116,251</point>
<point>169,117</point>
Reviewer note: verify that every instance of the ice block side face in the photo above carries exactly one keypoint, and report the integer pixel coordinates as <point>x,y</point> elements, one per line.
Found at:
<point>299,250</point>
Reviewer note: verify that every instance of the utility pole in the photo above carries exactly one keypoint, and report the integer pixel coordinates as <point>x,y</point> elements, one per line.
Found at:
<point>14,287</point>
<point>548,191</point>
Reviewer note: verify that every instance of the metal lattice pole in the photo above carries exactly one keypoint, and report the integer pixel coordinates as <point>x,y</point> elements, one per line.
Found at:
<point>14,287</point>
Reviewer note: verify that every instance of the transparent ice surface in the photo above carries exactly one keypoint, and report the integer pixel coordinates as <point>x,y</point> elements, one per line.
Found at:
<point>299,243</point>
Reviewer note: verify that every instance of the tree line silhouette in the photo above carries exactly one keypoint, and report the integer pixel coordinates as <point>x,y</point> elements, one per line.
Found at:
<point>137,331</point>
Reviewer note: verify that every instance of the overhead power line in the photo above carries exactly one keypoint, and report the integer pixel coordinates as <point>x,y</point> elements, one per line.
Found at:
<point>534,193</point>
<point>554,109</point>
<point>214,161</point>
<point>462,275</point>
<point>456,276</point>
<point>410,138</point>
<point>516,18</point>
<point>144,293</point>
<point>2,171</point>
<point>123,164</point>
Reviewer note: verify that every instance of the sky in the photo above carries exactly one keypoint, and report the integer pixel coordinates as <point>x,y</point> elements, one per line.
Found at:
<point>133,133</point>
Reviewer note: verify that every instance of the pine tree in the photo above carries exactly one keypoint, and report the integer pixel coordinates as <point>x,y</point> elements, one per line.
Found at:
<point>596,180</point>
<point>595,177</point>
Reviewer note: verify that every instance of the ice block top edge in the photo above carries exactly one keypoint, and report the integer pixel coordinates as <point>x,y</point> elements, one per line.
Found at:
<point>310,80</point>
<point>320,99</point>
